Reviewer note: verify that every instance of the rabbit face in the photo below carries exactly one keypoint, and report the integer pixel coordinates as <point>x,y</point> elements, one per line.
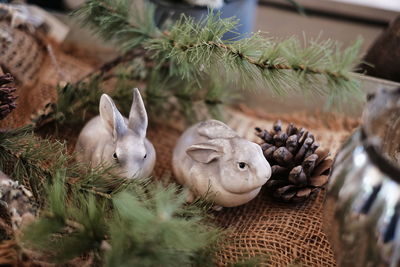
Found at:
<point>132,151</point>
<point>211,157</point>
<point>132,155</point>
<point>240,164</point>
<point>244,170</point>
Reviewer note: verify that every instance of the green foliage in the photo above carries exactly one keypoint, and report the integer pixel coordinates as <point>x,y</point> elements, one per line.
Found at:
<point>145,224</point>
<point>195,52</point>
<point>155,229</point>
<point>29,159</point>
<point>113,21</point>
<point>71,226</point>
<point>162,94</point>
<point>93,214</point>
<point>190,69</point>
<point>79,102</point>
<point>76,102</point>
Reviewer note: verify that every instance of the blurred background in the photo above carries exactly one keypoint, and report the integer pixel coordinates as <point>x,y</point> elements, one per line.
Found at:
<point>377,22</point>
<point>342,20</point>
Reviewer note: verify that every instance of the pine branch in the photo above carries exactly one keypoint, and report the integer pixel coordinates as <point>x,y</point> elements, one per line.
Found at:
<point>167,205</point>
<point>265,65</point>
<point>112,64</point>
<point>82,209</point>
<point>29,159</point>
<point>194,51</point>
<point>35,162</point>
<point>142,224</point>
<point>182,65</point>
<point>163,94</point>
<point>197,50</point>
<point>116,24</point>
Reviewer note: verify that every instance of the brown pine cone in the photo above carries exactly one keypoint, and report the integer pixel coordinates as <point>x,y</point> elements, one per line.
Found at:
<point>298,169</point>
<point>7,100</point>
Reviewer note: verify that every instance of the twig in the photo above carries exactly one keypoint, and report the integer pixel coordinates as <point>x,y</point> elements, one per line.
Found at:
<point>54,61</point>
<point>93,191</point>
<point>68,222</point>
<point>111,64</point>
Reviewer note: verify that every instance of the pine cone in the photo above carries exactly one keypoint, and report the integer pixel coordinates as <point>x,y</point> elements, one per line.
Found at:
<point>298,169</point>
<point>7,100</point>
<point>16,202</point>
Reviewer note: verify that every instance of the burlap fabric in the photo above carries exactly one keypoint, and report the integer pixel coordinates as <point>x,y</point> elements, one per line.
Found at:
<point>276,234</point>
<point>279,234</point>
<point>272,233</point>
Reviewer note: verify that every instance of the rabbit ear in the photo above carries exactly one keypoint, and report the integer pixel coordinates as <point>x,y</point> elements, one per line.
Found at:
<point>111,117</point>
<point>138,115</point>
<point>213,129</point>
<point>205,152</point>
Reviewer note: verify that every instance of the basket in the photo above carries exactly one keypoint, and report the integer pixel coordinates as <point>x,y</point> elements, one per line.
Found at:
<point>38,66</point>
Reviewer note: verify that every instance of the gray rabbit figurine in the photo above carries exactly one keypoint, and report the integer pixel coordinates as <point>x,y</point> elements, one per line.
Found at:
<point>111,138</point>
<point>211,157</point>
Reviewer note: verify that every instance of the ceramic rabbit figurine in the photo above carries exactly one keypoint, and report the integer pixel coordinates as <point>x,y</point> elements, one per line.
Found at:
<point>111,138</point>
<point>211,157</point>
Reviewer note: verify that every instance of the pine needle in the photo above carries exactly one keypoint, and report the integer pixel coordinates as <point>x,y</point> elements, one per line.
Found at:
<point>143,222</point>
<point>196,52</point>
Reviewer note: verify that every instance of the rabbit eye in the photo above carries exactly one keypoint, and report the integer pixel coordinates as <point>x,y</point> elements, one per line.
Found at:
<point>115,156</point>
<point>242,165</point>
<point>145,156</point>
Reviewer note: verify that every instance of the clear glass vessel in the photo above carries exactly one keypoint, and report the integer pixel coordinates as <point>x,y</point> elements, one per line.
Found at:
<point>363,200</point>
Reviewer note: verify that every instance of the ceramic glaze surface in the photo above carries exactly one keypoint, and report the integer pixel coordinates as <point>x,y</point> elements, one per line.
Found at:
<point>112,139</point>
<point>210,158</point>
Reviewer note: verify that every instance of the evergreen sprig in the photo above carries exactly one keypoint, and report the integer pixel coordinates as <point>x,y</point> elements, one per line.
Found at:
<point>163,95</point>
<point>93,215</point>
<point>113,21</point>
<point>29,159</point>
<point>196,51</point>
<point>188,66</point>
<point>79,102</point>
<point>161,210</point>
<point>139,226</point>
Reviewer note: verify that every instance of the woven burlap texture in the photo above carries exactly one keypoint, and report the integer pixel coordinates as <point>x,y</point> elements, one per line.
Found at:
<point>276,234</point>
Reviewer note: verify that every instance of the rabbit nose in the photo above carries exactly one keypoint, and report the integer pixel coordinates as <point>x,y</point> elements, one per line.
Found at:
<point>265,167</point>
<point>265,174</point>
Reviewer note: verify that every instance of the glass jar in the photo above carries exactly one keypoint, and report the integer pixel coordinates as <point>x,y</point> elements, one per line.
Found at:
<point>364,189</point>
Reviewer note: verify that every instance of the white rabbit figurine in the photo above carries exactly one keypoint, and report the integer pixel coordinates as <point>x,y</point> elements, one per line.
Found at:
<point>111,138</point>
<point>211,158</point>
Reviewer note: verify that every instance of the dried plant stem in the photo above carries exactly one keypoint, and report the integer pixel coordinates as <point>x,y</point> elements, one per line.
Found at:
<point>95,192</point>
<point>107,66</point>
<point>68,222</point>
